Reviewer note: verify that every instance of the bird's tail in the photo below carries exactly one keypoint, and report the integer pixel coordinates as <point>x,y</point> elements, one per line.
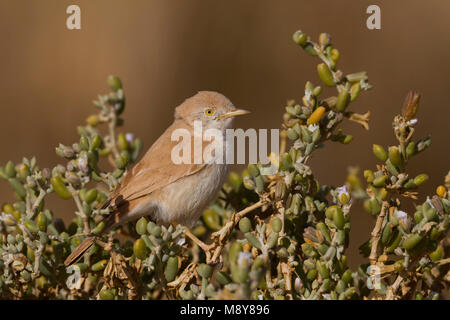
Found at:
<point>80,251</point>
<point>111,221</point>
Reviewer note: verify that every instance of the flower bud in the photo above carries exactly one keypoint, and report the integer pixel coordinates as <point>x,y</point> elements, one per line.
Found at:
<point>391,168</point>
<point>114,83</point>
<point>211,219</point>
<point>84,143</point>
<point>7,208</point>
<point>354,91</point>
<point>410,149</point>
<point>412,241</point>
<point>437,254</point>
<point>82,162</point>
<point>316,116</point>
<point>93,120</point>
<point>420,179</point>
<point>259,183</point>
<point>440,191</point>
<point>99,266</point>
<point>292,134</point>
<point>235,180</point>
<point>249,183</point>
<point>368,174</point>
<point>386,234</point>
<point>322,228</point>
<point>324,39</point>
<point>411,105</point>
<point>41,282</point>
<point>379,152</point>
<point>245,225</point>
<point>99,227</point>
<point>60,188</point>
<point>372,206</point>
<point>141,226</point>
<point>140,249</point>
<point>300,38</point>
<point>379,181</point>
<point>72,178</point>
<point>31,226</point>
<point>430,214</point>
<point>338,219</point>
<point>423,144</point>
<point>334,55</point>
<point>121,162</point>
<point>155,231</point>
<point>309,48</point>
<point>253,170</point>
<point>342,100</point>
<point>308,250</point>
<point>171,269</point>
<point>204,270</point>
<point>325,75</point>
<point>41,221</point>
<point>23,170</point>
<point>253,240</point>
<point>95,142</point>
<point>323,270</point>
<point>10,169</point>
<point>395,157</point>
<point>312,274</point>
<point>106,294</point>
<point>409,184</point>
<point>276,224</point>
<point>397,237</point>
<point>357,77</point>
<point>122,141</point>
<point>222,278</point>
<point>272,240</point>
<point>317,91</point>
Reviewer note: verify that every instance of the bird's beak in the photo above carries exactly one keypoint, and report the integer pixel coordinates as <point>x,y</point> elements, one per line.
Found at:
<point>234,113</point>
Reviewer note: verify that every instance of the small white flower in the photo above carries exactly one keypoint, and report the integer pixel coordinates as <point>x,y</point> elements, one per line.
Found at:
<point>181,241</point>
<point>244,257</point>
<point>413,122</point>
<point>342,190</point>
<point>298,284</point>
<point>402,216</point>
<point>308,94</point>
<point>326,296</point>
<point>83,164</point>
<point>313,127</point>
<point>129,137</point>
<point>5,216</point>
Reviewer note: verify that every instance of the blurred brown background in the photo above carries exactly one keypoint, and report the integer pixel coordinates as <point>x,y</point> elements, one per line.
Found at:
<point>165,51</point>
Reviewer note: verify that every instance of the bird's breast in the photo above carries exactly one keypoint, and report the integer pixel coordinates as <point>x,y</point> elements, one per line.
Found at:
<point>184,200</point>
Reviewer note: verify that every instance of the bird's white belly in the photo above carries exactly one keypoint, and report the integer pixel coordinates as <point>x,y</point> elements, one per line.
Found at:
<point>185,199</point>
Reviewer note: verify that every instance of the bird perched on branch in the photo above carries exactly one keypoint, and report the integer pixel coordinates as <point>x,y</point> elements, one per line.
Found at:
<point>163,190</point>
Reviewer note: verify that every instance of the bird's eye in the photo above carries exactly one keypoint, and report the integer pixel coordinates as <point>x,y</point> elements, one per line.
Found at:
<point>209,112</point>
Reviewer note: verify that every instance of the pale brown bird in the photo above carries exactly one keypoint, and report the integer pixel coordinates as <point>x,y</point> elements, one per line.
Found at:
<point>162,190</point>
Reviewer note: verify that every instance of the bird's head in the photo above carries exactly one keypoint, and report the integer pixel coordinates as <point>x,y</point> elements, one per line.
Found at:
<point>213,109</point>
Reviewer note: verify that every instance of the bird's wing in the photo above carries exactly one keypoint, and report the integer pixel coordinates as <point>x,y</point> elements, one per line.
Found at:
<point>155,170</point>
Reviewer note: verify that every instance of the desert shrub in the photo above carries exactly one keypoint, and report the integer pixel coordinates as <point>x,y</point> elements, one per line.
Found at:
<point>267,236</point>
